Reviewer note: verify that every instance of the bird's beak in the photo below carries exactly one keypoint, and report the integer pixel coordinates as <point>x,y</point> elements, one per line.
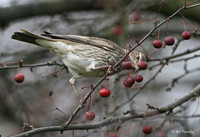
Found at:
<point>137,68</point>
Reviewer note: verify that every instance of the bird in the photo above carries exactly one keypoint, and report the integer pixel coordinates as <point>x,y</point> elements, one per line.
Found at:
<point>84,56</point>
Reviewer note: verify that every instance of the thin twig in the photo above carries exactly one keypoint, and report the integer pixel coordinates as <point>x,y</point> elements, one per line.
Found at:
<point>175,80</point>
<point>138,91</point>
<point>67,125</point>
<point>119,119</point>
<point>33,65</point>
<point>177,55</point>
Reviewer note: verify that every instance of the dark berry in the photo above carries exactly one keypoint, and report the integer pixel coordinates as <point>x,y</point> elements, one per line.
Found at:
<point>19,78</point>
<point>90,115</point>
<point>128,82</point>
<point>126,65</point>
<point>104,92</point>
<point>139,78</point>
<point>142,65</point>
<point>147,129</point>
<point>186,35</point>
<point>157,44</point>
<point>169,40</point>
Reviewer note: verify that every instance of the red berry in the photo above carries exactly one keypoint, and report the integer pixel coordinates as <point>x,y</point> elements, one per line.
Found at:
<point>129,82</point>
<point>169,40</point>
<point>117,30</point>
<point>135,16</point>
<point>104,92</point>
<point>147,129</point>
<point>126,65</point>
<point>186,35</point>
<point>157,44</point>
<point>139,78</point>
<point>142,65</point>
<point>19,78</point>
<point>90,115</point>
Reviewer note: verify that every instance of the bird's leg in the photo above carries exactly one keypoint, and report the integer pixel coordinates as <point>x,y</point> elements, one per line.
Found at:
<point>74,87</point>
<point>72,83</point>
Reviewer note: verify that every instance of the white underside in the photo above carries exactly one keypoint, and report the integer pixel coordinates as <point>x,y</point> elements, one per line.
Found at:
<point>77,65</point>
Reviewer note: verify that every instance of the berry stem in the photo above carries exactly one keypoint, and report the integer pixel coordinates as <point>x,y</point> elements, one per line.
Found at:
<point>18,67</point>
<point>190,3</point>
<point>90,104</point>
<point>158,33</point>
<point>189,23</point>
<point>72,133</point>
<point>129,75</point>
<point>14,132</point>
<point>167,28</point>
<point>140,21</point>
<point>60,120</point>
<point>149,56</point>
<point>184,26</point>
<point>160,8</point>
<point>106,78</point>
<point>62,112</point>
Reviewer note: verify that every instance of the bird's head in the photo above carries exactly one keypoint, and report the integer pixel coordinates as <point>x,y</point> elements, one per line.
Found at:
<point>135,58</point>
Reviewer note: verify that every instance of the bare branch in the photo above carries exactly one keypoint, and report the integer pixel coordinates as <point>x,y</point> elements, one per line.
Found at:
<point>134,47</point>
<point>175,80</point>
<point>177,55</point>
<point>54,63</point>
<point>169,108</point>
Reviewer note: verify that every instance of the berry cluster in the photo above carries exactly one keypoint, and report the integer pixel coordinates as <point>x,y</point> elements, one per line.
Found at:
<point>169,41</point>
<point>128,82</point>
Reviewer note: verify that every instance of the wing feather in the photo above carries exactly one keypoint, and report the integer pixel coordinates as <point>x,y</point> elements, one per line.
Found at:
<point>98,42</point>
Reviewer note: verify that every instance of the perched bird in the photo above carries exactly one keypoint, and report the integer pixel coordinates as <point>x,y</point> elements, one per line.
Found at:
<point>84,56</point>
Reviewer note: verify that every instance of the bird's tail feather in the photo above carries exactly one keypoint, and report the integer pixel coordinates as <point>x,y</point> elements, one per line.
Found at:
<point>28,37</point>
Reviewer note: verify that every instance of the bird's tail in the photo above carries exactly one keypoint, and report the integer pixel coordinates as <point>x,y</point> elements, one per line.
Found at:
<point>28,37</point>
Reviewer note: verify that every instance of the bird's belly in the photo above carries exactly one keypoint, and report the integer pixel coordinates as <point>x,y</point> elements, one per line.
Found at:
<point>80,65</point>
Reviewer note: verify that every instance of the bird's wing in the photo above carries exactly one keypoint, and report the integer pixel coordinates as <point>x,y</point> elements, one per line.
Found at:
<point>98,42</point>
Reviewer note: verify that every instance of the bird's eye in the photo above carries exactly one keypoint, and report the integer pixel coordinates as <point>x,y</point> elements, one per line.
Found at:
<point>138,57</point>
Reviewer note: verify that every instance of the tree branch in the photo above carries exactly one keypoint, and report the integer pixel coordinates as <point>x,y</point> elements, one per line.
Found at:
<point>133,48</point>
<point>177,55</point>
<point>170,107</point>
<point>54,63</point>
<point>194,93</point>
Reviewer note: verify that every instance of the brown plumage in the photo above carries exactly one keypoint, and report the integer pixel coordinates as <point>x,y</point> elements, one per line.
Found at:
<point>84,56</point>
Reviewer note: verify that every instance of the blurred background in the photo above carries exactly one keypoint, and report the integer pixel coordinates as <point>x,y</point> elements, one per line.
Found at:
<point>33,102</point>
